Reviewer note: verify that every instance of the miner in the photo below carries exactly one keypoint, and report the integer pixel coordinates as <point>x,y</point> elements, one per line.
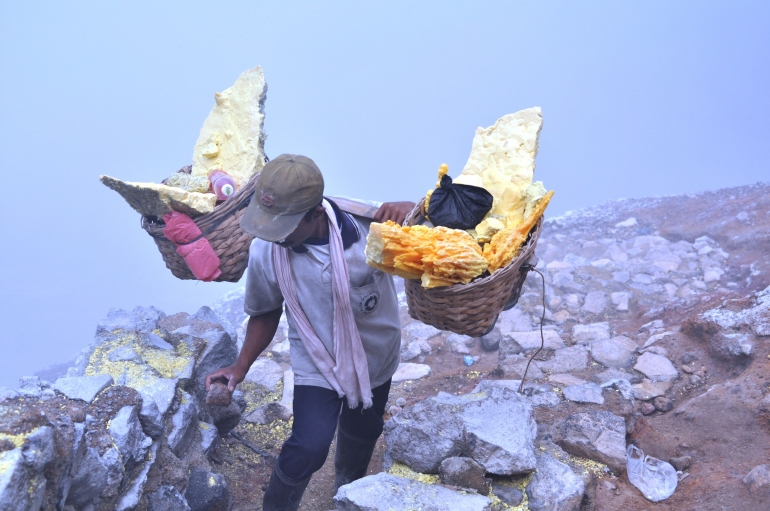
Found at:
<point>344,329</point>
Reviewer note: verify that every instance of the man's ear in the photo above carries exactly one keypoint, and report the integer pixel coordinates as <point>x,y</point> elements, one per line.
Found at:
<point>319,211</point>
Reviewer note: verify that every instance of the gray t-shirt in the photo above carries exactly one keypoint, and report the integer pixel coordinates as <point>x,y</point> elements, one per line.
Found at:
<point>372,296</point>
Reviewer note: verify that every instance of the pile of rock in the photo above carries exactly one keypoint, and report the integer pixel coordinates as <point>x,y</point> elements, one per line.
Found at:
<point>128,427</point>
<point>595,277</point>
<point>487,449</point>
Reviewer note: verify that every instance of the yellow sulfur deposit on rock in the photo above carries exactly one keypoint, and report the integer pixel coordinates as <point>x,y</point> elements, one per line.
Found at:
<point>231,138</point>
<point>152,199</point>
<point>438,256</point>
<point>502,161</point>
<point>187,182</point>
<point>505,245</point>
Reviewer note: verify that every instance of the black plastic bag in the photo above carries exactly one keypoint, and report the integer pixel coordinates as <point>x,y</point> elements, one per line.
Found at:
<point>458,206</point>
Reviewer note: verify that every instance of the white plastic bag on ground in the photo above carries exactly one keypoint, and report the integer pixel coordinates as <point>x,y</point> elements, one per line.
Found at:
<point>656,479</point>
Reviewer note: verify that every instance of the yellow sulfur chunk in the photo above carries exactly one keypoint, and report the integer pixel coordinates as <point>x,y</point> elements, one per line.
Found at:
<point>505,245</point>
<point>438,256</point>
<point>488,228</point>
<point>502,160</point>
<point>232,137</point>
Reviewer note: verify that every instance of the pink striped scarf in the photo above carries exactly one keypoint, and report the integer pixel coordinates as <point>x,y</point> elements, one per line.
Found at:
<point>348,371</point>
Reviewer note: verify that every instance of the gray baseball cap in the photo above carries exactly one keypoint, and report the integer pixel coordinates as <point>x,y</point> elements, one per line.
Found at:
<point>287,188</point>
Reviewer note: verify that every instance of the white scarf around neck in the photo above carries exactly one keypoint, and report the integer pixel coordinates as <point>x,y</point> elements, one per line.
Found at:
<point>348,371</point>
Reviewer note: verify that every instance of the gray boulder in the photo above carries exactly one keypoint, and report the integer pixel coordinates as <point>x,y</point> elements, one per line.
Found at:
<point>555,486</point>
<point>183,425</point>
<point>656,367</point>
<point>38,448</point>
<point>513,343</point>
<point>574,358</point>
<point>21,487</point>
<point>598,435</point>
<point>647,389</point>
<point>94,475</point>
<point>127,435</point>
<point>207,491</point>
<point>385,492</point>
<point>495,428</point>
<point>83,387</point>
<point>145,319</point>
<point>269,413</point>
<point>586,334</point>
<point>491,341</point>
<point>166,498</point>
<point>212,339</point>
<point>585,393</point>
<point>595,302</point>
<point>133,494</point>
<point>151,418</point>
<point>514,366</point>
<point>616,352</point>
<point>758,479</point>
<point>209,437</point>
<point>117,319</point>
<point>32,386</point>
<point>266,373</point>
<point>734,346</point>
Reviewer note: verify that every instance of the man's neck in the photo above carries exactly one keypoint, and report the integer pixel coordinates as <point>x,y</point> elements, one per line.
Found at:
<point>321,228</point>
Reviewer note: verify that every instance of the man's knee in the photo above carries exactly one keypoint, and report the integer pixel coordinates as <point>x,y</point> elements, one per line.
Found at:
<point>300,457</point>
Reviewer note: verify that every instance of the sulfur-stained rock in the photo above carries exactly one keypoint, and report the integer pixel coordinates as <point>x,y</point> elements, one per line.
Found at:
<point>156,200</point>
<point>83,387</point>
<point>20,488</point>
<point>232,137</point>
<point>555,486</point>
<point>493,427</point>
<point>598,435</point>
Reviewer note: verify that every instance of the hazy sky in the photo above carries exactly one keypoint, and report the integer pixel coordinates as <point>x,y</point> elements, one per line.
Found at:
<point>638,99</point>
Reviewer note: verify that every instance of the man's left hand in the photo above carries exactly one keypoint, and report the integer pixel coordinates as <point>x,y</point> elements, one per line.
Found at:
<point>395,211</point>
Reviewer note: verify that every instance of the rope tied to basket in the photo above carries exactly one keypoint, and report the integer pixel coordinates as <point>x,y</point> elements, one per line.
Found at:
<point>528,267</point>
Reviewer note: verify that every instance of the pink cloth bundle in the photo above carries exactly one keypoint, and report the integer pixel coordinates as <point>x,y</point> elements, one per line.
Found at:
<point>199,255</point>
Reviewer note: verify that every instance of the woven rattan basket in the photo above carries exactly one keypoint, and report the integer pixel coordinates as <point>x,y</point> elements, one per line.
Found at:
<point>222,228</point>
<point>469,309</point>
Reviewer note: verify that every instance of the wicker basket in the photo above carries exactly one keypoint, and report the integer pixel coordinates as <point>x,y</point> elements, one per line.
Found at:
<point>222,228</point>
<point>469,309</point>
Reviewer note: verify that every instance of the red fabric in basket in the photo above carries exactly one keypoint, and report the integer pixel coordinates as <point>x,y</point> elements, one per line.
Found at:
<point>199,255</point>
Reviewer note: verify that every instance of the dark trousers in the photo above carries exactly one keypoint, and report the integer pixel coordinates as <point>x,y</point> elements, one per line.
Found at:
<point>316,413</point>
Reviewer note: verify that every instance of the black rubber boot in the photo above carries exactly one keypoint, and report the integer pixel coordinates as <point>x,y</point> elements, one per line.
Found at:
<point>283,494</point>
<point>351,458</point>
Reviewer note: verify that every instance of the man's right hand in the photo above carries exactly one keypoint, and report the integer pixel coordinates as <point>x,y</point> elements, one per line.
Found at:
<point>232,376</point>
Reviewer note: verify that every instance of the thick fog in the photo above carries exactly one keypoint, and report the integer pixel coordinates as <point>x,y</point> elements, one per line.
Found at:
<point>642,99</point>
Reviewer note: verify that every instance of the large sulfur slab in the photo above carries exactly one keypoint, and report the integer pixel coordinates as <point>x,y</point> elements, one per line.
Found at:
<point>502,161</point>
<point>232,137</point>
<point>152,199</point>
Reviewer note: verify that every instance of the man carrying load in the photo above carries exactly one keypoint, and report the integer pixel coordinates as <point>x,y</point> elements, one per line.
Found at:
<point>344,326</point>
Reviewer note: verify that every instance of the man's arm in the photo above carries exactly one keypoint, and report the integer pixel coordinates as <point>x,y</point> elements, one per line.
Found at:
<point>395,211</point>
<point>259,332</point>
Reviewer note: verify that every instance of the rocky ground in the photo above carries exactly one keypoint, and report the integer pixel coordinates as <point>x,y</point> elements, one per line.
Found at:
<point>657,318</point>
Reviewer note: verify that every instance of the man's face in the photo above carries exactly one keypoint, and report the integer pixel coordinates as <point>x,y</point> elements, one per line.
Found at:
<point>304,230</point>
